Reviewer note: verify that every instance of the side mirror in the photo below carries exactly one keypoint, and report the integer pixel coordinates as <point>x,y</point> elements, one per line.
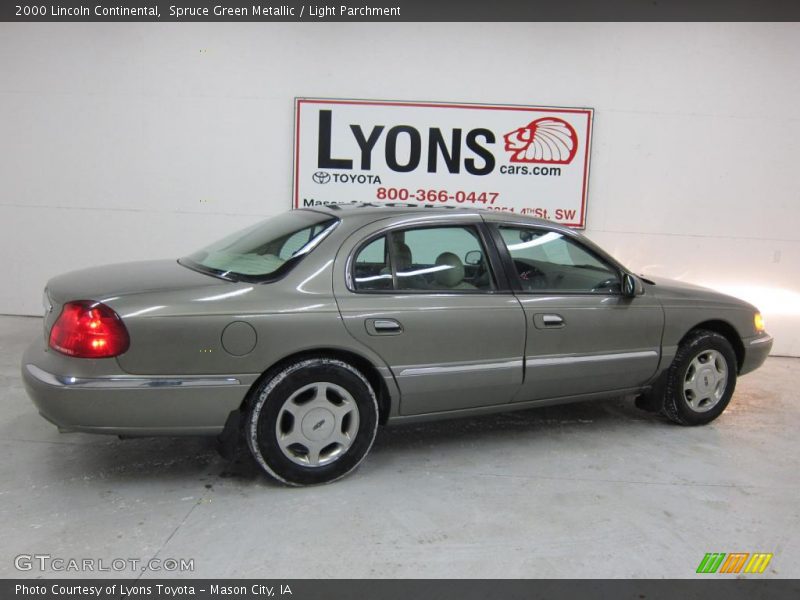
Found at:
<point>630,286</point>
<point>473,257</point>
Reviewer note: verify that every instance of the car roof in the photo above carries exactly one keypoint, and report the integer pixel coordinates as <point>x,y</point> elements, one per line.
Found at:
<point>384,210</point>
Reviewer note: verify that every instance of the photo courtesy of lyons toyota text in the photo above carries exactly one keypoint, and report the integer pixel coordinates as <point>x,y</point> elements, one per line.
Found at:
<point>359,300</point>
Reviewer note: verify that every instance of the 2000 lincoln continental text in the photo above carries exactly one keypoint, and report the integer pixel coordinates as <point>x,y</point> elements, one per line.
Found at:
<point>303,333</point>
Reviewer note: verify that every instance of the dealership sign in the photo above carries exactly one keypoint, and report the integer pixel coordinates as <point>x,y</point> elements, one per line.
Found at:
<point>526,159</point>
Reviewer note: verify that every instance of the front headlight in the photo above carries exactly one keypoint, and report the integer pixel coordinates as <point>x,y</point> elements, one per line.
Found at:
<point>758,322</point>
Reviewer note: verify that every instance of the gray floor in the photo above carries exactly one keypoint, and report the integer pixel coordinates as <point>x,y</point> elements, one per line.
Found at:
<point>586,490</point>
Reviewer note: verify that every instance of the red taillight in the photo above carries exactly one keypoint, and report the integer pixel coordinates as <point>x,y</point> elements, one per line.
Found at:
<point>87,329</point>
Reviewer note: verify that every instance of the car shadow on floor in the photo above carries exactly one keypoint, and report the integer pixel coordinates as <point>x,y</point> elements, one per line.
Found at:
<point>185,460</point>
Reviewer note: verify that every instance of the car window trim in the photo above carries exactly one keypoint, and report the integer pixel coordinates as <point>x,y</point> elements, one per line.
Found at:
<point>513,276</point>
<point>495,267</point>
<point>389,252</point>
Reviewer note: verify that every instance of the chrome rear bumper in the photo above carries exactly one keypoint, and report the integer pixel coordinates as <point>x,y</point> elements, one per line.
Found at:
<point>123,404</point>
<point>129,381</point>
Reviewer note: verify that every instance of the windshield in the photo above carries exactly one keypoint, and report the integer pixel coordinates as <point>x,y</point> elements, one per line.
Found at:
<point>265,251</point>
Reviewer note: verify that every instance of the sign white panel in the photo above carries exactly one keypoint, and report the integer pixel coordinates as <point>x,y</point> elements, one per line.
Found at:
<point>527,159</point>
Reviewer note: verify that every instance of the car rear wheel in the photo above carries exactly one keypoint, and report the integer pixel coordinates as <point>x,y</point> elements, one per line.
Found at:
<point>701,379</point>
<point>313,422</point>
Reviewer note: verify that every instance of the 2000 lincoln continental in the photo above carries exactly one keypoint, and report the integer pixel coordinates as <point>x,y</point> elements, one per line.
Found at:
<point>305,332</point>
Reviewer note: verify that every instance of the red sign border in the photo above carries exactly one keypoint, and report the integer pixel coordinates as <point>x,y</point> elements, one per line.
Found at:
<point>589,112</point>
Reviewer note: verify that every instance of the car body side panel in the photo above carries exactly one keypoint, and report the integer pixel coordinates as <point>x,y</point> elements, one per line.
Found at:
<point>179,332</point>
<point>583,342</point>
<point>606,343</point>
<point>455,351</point>
<point>688,306</point>
<point>513,406</point>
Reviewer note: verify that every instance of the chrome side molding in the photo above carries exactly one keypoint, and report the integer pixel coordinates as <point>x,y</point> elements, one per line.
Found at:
<point>129,381</point>
<point>584,358</point>
<point>465,368</point>
<point>529,362</point>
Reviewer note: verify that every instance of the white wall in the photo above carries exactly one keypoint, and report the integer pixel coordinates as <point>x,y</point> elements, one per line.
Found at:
<point>136,141</point>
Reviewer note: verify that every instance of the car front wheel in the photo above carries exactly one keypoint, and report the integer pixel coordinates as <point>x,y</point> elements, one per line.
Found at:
<point>701,379</point>
<point>313,422</point>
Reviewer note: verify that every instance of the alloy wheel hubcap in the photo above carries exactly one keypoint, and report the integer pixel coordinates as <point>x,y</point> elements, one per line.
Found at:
<point>705,381</point>
<point>317,424</point>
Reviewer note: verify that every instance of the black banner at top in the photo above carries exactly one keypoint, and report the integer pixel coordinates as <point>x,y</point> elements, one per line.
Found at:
<point>398,10</point>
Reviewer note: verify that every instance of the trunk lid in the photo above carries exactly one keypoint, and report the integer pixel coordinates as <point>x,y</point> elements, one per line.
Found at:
<point>109,283</point>
<point>113,281</point>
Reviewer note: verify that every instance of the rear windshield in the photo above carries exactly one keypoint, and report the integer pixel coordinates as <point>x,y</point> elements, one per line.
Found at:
<point>265,251</point>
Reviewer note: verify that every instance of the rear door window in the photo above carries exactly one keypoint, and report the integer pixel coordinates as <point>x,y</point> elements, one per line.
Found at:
<point>433,259</point>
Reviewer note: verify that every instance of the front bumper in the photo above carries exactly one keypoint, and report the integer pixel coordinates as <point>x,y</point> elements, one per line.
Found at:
<point>756,351</point>
<point>123,404</point>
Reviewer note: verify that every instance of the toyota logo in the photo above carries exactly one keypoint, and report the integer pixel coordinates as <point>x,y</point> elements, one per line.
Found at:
<point>321,177</point>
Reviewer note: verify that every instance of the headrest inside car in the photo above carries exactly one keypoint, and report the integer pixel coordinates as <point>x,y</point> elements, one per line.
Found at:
<point>451,276</point>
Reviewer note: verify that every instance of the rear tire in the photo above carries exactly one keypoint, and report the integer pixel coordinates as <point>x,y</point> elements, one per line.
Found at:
<point>312,422</point>
<point>701,379</point>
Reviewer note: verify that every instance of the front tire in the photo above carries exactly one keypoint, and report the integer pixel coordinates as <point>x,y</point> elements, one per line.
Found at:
<point>313,422</point>
<point>701,379</point>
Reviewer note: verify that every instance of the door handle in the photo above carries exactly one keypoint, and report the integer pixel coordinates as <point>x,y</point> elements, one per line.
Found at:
<point>548,321</point>
<point>383,327</point>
